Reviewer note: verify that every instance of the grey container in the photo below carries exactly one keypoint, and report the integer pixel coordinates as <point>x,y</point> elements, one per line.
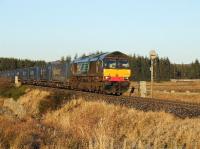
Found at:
<point>43,73</point>
<point>33,74</point>
<point>24,74</point>
<point>59,71</point>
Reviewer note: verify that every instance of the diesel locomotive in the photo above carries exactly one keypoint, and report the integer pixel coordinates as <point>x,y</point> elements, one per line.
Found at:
<point>107,73</point>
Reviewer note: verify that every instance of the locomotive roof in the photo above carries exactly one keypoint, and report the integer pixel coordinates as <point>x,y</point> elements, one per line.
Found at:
<point>96,57</point>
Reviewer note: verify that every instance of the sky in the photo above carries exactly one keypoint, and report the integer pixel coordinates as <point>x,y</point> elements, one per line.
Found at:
<point>49,29</point>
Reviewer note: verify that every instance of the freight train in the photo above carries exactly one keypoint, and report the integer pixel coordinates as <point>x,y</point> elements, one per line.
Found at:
<point>107,73</point>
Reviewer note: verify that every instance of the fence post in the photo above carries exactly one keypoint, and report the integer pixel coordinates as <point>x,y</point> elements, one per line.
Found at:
<point>143,89</point>
<point>17,83</point>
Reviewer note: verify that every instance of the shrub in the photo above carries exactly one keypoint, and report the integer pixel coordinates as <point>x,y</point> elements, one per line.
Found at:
<point>13,92</point>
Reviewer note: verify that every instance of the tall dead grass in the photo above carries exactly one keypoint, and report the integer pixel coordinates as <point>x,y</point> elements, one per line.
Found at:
<point>106,126</point>
<point>184,97</point>
<point>31,134</point>
<point>93,125</point>
<point>32,99</point>
<point>174,91</point>
<point>17,134</point>
<point>26,105</point>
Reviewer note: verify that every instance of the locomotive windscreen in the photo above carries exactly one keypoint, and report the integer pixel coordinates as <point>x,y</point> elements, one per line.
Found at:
<point>113,64</point>
<point>108,63</point>
<point>123,64</point>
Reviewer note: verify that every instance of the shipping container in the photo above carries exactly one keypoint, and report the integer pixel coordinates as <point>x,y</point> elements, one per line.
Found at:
<point>59,71</point>
<point>33,74</point>
<point>18,73</point>
<point>43,73</point>
<point>25,74</point>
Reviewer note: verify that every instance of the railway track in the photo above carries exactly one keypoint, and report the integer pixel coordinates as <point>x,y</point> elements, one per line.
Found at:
<point>180,109</point>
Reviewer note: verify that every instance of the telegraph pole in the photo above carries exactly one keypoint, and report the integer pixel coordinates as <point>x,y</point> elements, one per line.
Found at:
<point>152,78</point>
<point>153,56</point>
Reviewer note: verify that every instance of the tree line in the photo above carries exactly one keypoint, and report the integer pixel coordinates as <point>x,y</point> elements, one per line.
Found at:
<point>164,70</point>
<point>13,63</point>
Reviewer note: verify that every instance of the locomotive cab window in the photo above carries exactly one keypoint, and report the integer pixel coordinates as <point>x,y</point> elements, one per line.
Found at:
<point>82,68</point>
<point>108,63</point>
<point>123,64</point>
<point>112,64</point>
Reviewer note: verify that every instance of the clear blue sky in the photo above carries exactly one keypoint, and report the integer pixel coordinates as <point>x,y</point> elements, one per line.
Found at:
<point>48,29</point>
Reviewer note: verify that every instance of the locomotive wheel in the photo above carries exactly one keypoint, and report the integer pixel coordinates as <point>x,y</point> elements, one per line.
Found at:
<point>118,94</point>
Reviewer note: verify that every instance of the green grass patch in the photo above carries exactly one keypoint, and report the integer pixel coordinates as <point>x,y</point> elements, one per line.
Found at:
<point>13,92</point>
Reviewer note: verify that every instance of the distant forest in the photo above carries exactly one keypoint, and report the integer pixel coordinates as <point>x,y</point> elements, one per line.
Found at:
<point>164,69</point>
<point>13,63</point>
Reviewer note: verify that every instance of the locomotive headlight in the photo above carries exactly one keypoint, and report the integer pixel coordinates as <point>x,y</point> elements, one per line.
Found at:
<point>126,78</point>
<point>107,77</point>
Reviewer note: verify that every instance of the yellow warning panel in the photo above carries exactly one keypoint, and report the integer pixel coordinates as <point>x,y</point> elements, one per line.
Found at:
<point>117,72</point>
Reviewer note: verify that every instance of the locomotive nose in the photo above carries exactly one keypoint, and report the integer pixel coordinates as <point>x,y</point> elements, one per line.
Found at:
<point>117,75</point>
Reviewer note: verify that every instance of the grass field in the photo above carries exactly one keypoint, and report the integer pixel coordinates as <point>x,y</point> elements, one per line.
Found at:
<point>73,123</point>
<point>43,119</point>
<point>179,91</point>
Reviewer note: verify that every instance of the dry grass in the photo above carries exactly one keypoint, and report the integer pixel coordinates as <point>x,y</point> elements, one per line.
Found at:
<point>16,134</point>
<point>26,105</point>
<point>103,123</point>
<point>94,125</point>
<point>178,86</point>
<point>1,102</point>
<point>178,91</point>
<point>32,99</point>
<point>30,134</point>
<point>185,97</point>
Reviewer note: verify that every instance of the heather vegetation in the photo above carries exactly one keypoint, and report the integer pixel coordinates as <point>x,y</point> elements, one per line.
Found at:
<point>7,90</point>
<point>13,92</point>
